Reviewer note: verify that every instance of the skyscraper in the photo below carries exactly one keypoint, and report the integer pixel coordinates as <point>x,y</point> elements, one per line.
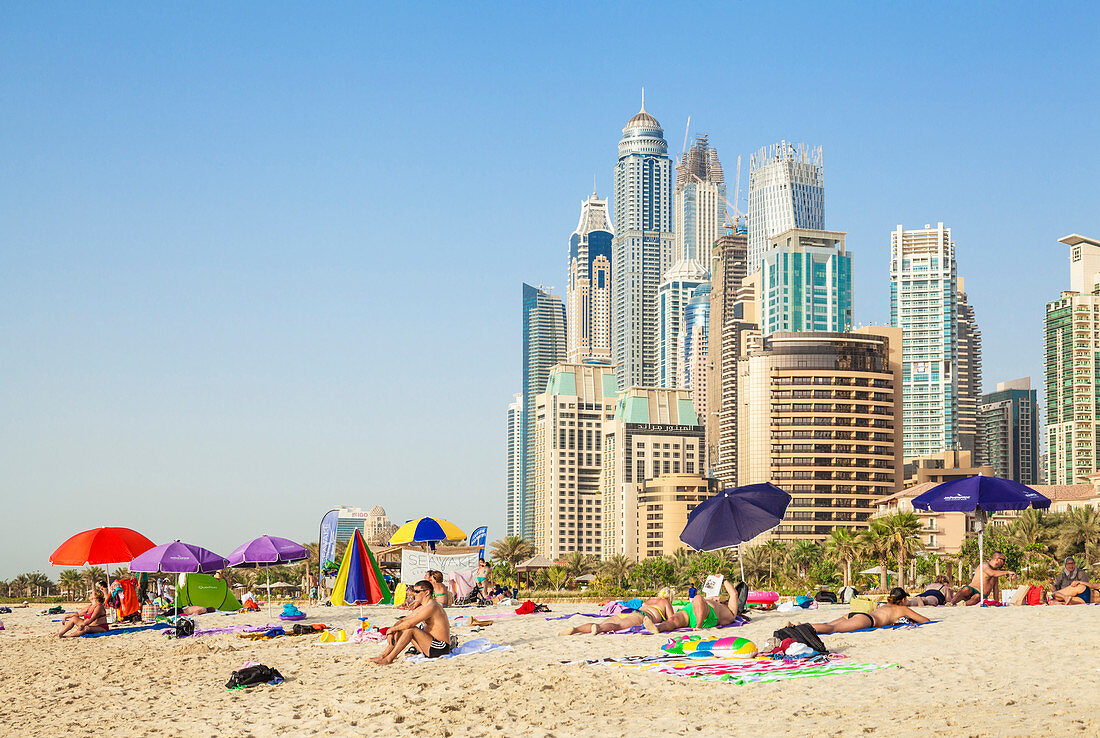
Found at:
<point>641,250</point>
<point>543,347</point>
<point>728,321</point>
<point>924,304</point>
<point>677,287</point>
<point>588,294</point>
<point>806,282</point>
<point>693,353</point>
<point>970,372</point>
<point>786,190</point>
<point>514,471</point>
<point>699,203</point>
<point>1073,368</point>
<point>1008,422</point>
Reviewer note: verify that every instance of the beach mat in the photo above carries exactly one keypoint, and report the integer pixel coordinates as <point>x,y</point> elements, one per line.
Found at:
<point>893,627</point>
<point>125,631</point>
<point>477,645</point>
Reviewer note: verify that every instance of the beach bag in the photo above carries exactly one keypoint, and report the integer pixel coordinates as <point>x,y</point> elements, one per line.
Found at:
<point>826,596</point>
<point>803,601</point>
<point>258,674</point>
<point>1034,595</point>
<point>861,604</point>
<point>803,633</point>
<point>184,627</point>
<point>148,614</point>
<point>526,608</point>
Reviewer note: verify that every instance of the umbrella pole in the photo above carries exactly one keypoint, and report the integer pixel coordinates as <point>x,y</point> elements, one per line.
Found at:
<point>268,570</point>
<point>981,555</point>
<point>741,561</point>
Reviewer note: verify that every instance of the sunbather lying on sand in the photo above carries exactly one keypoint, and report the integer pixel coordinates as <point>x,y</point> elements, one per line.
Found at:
<point>891,613</point>
<point>700,613</point>
<point>937,594</point>
<point>656,609</point>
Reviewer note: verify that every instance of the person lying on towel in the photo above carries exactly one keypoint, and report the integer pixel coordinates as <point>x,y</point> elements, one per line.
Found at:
<point>426,627</point>
<point>657,609</point>
<point>700,613</point>
<point>894,612</point>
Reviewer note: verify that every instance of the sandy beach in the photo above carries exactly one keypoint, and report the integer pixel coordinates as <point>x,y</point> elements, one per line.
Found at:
<point>978,672</point>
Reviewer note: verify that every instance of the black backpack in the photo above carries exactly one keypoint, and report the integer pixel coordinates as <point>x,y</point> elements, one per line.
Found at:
<point>826,596</point>
<point>258,674</point>
<point>803,633</point>
<point>184,627</point>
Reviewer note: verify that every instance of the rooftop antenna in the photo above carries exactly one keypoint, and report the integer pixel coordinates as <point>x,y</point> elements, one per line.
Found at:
<point>643,98</point>
<point>684,148</point>
<point>593,184</point>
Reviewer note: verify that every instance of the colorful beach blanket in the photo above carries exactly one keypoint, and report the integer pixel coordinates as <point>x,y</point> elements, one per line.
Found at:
<point>125,631</point>
<point>740,670</point>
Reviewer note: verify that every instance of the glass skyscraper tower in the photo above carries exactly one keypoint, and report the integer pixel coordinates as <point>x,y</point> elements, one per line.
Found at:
<point>588,294</point>
<point>806,283</point>
<point>543,347</point>
<point>924,304</point>
<point>699,203</point>
<point>786,190</point>
<point>677,288</point>
<point>641,250</point>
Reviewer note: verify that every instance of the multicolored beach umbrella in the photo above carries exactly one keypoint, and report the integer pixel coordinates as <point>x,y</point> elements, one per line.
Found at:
<point>360,580</point>
<point>427,530</point>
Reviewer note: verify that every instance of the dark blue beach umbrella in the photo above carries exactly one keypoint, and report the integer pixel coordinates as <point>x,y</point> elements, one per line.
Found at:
<point>980,495</point>
<point>734,516</point>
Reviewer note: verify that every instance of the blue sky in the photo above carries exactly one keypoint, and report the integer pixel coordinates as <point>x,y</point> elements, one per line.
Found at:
<point>263,259</point>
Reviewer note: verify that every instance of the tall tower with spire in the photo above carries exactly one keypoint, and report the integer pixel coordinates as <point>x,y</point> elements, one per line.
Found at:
<point>588,292</point>
<point>641,249</point>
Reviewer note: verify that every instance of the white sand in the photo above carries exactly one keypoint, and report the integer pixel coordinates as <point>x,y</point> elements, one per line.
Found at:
<point>980,672</point>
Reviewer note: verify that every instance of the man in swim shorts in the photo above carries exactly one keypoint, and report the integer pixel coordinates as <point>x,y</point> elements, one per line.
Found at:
<point>985,581</point>
<point>700,613</point>
<point>426,628</point>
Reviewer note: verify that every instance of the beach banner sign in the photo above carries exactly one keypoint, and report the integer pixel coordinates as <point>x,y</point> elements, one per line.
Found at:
<point>328,536</point>
<point>477,538</point>
<point>415,564</point>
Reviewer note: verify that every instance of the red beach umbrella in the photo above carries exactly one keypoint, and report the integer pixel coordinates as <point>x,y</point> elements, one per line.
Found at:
<point>101,546</point>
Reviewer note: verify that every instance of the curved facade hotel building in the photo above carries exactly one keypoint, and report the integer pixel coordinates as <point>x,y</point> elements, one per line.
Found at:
<point>820,415</point>
<point>642,248</point>
<point>588,294</point>
<point>786,190</point>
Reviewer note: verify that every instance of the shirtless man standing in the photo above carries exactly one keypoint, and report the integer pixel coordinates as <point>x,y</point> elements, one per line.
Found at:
<point>985,580</point>
<point>434,640</point>
<point>700,613</point>
<point>654,610</point>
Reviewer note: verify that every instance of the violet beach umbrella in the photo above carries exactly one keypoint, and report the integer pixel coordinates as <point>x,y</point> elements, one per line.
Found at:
<point>980,495</point>
<point>178,558</point>
<point>265,551</point>
<point>734,516</point>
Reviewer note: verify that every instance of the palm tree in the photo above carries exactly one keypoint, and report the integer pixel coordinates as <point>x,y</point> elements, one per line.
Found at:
<point>681,562</point>
<point>773,551</point>
<point>1030,529</point>
<point>755,563</point>
<point>843,546</point>
<point>1080,527</point>
<point>577,564</point>
<point>874,544</point>
<point>803,554</point>
<point>96,576</point>
<point>618,568</point>
<point>903,534</point>
<point>557,577</point>
<point>512,549</point>
<point>71,581</point>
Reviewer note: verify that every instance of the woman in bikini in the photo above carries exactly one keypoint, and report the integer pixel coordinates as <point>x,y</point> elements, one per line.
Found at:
<point>440,593</point>
<point>655,609</point>
<point>92,620</point>
<point>891,613</point>
<point>936,595</point>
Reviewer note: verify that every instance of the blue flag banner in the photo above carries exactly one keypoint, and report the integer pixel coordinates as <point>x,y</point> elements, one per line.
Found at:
<point>328,536</point>
<point>477,538</point>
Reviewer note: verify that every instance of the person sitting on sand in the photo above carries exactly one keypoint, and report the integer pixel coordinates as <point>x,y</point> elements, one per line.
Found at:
<point>700,613</point>
<point>655,609</point>
<point>1071,586</point>
<point>426,628</point>
<point>936,594</point>
<point>93,619</point>
<point>440,593</point>
<point>985,580</point>
<point>894,612</point>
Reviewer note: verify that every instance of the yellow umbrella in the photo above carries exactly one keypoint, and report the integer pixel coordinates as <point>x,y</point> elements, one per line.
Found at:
<point>427,530</point>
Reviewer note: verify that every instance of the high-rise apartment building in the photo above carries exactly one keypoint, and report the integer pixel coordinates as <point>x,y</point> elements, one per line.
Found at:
<point>1073,368</point>
<point>692,355</point>
<point>806,282</point>
<point>513,524</point>
<point>970,372</point>
<point>820,415</point>
<point>654,433</point>
<point>1008,428</point>
<point>728,321</point>
<point>641,250</point>
<point>786,190</point>
<point>543,347</point>
<point>677,288</point>
<point>924,304</point>
<point>699,203</point>
<point>566,498</point>
<point>664,504</point>
<point>588,294</point>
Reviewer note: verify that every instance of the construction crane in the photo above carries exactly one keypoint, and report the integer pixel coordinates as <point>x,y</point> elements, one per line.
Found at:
<point>684,148</point>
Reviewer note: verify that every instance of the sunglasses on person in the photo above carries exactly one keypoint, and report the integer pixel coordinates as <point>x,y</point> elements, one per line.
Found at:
<point>418,591</point>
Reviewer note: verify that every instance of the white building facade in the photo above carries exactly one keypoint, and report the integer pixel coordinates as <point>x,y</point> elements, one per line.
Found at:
<point>786,190</point>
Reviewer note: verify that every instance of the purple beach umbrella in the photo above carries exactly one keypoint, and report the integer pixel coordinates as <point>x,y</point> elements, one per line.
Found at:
<point>178,558</point>
<point>980,495</point>
<point>734,516</point>
<point>265,551</point>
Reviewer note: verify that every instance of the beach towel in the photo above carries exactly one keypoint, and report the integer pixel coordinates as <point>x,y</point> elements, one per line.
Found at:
<point>463,583</point>
<point>125,631</point>
<point>477,645</point>
<point>894,627</point>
